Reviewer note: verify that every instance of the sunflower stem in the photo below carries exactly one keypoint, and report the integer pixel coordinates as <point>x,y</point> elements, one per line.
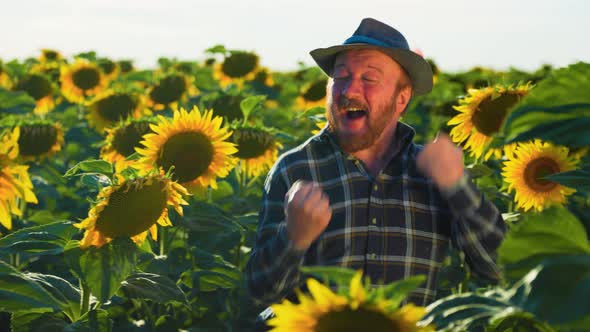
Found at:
<point>80,112</point>
<point>15,260</point>
<point>162,234</point>
<point>85,305</point>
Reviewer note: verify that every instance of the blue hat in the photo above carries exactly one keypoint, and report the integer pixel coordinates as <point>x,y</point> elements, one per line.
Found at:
<point>372,34</point>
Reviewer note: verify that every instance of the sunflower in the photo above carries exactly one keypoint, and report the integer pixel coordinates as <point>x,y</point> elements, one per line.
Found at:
<point>312,94</point>
<point>111,107</point>
<point>359,310</point>
<point>170,90</point>
<point>15,183</point>
<point>39,139</point>
<point>131,209</point>
<point>257,148</point>
<point>122,140</point>
<point>193,144</point>
<point>126,66</point>
<point>5,81</point>
<point>81,80</point>
<point>227,106</point>
<point>482,114</point>
<point>49,55</point>
<point>40,88</point>
<point>237,67</point>
<point>110,68</point>
<point>525,169</point>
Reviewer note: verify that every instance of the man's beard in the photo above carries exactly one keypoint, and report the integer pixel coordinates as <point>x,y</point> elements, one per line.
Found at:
<point>377,123</point>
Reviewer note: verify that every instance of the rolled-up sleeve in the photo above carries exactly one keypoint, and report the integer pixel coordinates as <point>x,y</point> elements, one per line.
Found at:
<point>273,268</point>
<point>478,228</point>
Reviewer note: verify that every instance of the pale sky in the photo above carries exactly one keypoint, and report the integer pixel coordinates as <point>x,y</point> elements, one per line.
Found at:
<point>457,34</point>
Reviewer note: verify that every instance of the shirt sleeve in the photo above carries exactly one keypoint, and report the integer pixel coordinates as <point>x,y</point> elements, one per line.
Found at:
<point>272,271</point>
<point>478,228</point>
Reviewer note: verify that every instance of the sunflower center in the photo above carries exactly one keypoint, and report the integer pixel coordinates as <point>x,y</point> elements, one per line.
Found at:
<point>169,90</point>
<point>239,64</point>
<point>86,78</point>
<point>538,168</point>
<point>126,66</point>
<point>36,86</point>
<point>355,320</point>
<point>228,106</point>
<point>36,139</point>
<point>132,209</point>
<point>190,153</point>
<point>107,66</point>
<point>490,115</point>
<point>116,107</point>
<point>251,143</point>
<point>129,137</point>
<point>50,55</point>
<point>317,91</point>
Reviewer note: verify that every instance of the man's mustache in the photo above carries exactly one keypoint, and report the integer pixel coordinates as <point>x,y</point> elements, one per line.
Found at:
<point>344,103</point>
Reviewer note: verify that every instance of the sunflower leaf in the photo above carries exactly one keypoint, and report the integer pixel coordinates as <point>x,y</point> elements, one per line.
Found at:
<point>20,293</point>
<point>578,179</point>
<point>250,103</point>
<point>397,291</point>
<point>570,132</point>
<point>16,102</point>
<point>103,269</point>
<point>66,295</point>
<point>555,231</point>
<point>37,322</point>
<point>93,320</point>
<point>340,276</point>
<point>153,287</point>
<point>91,167</point>
<point>48,239</point>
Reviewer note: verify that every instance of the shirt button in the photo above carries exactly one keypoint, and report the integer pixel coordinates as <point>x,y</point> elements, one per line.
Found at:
<point>374,221</point>
<point>375,187</point>
<point>372,256</point>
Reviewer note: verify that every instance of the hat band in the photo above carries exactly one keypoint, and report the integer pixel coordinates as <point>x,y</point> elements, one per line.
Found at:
<point>368,40</point>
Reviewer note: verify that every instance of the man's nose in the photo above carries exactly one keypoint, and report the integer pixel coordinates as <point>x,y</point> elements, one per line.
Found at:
<point>353,88</point>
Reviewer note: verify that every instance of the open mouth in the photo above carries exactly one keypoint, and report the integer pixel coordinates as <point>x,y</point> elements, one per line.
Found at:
<point>355,113</point>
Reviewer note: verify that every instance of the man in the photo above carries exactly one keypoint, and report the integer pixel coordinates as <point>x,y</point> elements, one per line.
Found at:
<point>361,194</point>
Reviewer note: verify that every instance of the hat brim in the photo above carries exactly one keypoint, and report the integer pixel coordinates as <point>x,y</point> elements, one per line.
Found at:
<point>416,67</point>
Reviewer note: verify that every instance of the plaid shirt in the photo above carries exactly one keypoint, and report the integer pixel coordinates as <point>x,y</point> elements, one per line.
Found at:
<point>392,226</point>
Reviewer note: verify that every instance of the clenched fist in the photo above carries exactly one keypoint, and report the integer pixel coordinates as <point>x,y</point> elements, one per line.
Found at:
<point>442,161</point>
<point>308,213</point>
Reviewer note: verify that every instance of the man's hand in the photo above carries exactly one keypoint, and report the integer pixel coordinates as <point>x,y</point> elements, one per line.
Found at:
<point>442,161</point>
<point>308,212</point>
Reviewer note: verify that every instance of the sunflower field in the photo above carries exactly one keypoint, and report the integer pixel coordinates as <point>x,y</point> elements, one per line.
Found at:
<point>129,197</point>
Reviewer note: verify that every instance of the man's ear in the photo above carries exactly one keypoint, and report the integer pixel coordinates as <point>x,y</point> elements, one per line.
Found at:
<point>403,97</point>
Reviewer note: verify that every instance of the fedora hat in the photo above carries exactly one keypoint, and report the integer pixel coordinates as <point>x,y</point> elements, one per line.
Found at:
<point>373,34</point>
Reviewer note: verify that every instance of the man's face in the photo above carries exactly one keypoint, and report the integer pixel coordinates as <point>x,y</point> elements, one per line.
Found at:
<point>365,97</point>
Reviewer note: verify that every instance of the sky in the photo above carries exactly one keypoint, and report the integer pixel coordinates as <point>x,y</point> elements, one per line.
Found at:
<point>456,34</point>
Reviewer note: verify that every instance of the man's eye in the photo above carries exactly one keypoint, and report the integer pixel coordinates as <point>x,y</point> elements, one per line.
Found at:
<point>340,78</point>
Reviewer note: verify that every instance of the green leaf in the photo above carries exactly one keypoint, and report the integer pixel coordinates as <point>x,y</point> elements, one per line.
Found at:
<point>212,272</point>
<point>103,269</point>
<point>92,321</point>
<point>250,103</point>
<point>20,293</point>
<point>66,295</point>
<point>553,232</point>
<point>578,179</point>
<point>341,276</point>
<point>560,289</point>
<point>37,322</point>
<point>49,239</point>
<point>216,49</point>
<point>479,170</point>
<point>571,132</point>
<point>152,287</point>
<point>91,166</point>
<point>459,312</point>
<point>397,291</point>
<point>561,96</point>
<point>18,102</point>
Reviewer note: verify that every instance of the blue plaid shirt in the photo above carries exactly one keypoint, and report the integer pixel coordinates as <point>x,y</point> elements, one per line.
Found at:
<point>392,226</point>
